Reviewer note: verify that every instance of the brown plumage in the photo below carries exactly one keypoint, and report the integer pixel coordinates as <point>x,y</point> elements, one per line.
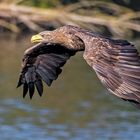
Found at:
<point>116,62</point>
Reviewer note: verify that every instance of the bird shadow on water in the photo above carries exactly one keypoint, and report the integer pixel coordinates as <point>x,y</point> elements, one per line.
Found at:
<point>75,107</point>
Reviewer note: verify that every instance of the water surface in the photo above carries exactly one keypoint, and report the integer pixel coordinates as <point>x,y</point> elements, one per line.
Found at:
<point>75,107</point>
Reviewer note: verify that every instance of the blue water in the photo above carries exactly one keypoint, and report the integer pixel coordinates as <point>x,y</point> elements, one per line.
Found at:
<point>20,121</point>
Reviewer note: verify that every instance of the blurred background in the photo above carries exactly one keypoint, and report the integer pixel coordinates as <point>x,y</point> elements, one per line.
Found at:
<point>76,106</point>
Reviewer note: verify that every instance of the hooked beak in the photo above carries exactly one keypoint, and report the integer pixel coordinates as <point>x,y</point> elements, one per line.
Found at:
<point>36,38</point>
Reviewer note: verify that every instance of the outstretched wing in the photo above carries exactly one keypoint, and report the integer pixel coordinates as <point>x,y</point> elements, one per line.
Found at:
<point>42,62</point>
<point>117,64</point>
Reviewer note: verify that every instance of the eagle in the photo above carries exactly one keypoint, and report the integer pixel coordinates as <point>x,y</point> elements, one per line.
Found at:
<point>116,62</point>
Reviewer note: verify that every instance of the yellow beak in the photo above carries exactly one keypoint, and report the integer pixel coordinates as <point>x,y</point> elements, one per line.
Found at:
<point>36,38</point>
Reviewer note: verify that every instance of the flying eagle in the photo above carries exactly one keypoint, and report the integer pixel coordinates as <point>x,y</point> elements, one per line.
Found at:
<point>116,62</point>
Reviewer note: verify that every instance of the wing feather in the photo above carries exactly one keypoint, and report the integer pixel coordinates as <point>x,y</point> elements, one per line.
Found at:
<point>39,87</point>
<point>44,62</point>
<point>117,64</point>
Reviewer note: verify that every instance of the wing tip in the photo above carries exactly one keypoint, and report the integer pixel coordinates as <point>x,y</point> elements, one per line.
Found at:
<point>19,82</point>
<point>133,102</point>
<point>30,88</point>
<point>39,87</point>
<point>136,105</point>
